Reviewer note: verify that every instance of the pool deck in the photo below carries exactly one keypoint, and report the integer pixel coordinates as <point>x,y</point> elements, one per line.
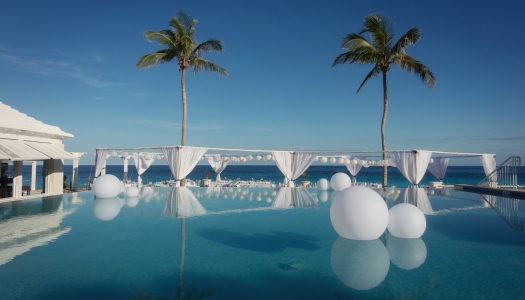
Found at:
<point>518,193</point>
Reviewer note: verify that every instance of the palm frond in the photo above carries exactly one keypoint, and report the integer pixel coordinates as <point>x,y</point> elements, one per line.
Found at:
<point>208,46</point>
<point>373,73</point>
<point>412,36</point>
<point>357,57</point>
<point>410,64</point>
<point>380,29</point>
<point>199,63</point>
<point>159,38</point>
<point>154,59</point>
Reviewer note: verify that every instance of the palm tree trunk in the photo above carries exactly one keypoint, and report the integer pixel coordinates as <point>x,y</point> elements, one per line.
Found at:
<point>183,245</point>
<point>184,113</point>
<point>383,121</point>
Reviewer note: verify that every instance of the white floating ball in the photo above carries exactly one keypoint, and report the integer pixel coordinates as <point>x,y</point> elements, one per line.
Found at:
<point>346,161</point>
<point>323,160</point>
<point>106,209</point>
<point>258,157</point>
<point>341,161</point>
<point>340,181</point>
<point>406,221</point>
<point>322,184</point>
<point>406,254</point>
<point>106,186</point>
<point>132,201</point>
<point>332,160</point>
<point>359,213</point>
<point>147,156</point>
<point>322,196</point>
<point>361,265</point>
<point>132,191</point>
<point>268,157</point>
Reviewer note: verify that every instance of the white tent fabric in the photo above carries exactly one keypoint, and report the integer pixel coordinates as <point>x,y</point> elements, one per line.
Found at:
<point>141,164</point>
<point>217,166</point>
<point>354,169</point>
<point>288,197</point>
<point>438,167</point>
<point>182,160</point>
<point>489,165</point>
<point>415,196</point>
<point>100,160</point>
<point>293,164</point>
<point>181,203</point>
<point>412,164</point>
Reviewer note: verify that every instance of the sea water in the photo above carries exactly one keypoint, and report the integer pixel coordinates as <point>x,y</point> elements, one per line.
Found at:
<point>158,173</point>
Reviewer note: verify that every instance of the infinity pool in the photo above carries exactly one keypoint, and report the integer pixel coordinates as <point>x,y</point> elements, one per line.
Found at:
<point>255,244</point>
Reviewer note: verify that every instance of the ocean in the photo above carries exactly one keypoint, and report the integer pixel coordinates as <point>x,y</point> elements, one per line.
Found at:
<point>156,173</point>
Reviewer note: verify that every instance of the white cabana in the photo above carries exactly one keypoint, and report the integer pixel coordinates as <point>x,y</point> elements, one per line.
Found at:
<point>438,167</point>
<point>181,203</point>
<point>412,163</point>
<point>182,160</point>
<point>293,164</point>
<point>142,162</point>
<point>354,168</point>
<point>415,196</point>
<point>218,164</point>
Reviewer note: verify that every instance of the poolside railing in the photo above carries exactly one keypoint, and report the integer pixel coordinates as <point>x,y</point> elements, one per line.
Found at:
<point>505,176</point>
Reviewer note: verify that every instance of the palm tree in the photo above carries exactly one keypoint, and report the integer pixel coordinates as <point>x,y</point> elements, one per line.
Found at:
<point>383,52</point>
<point>180,43</point>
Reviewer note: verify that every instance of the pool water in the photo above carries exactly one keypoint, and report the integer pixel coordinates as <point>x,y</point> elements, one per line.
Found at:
<point>255,244</point>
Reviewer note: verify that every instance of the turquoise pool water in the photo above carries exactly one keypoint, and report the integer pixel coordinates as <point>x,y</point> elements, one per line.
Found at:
<point>244,244</point>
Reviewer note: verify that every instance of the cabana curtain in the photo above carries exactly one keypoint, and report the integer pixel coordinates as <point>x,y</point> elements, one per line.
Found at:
<point>100,160</point>
<point>415,196</point>
<point>412,164</point>
<point>354,169</point>
<point>293,164</point>
<point>439,167</point>
<point>217,166</point>
<point>141,164</point>
<point>182,160</point>
<point>181,203</point>
<point>489,165</point>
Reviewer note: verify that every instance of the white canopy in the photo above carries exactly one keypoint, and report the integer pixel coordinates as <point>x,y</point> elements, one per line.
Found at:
<point>293,164</point>
<point>181,203</point>
<point>141,164</point>
<point>354,169</point>
<point>17,151</point>
<point>182,160</point>
<point>412,164</point>
<point>438,167</point>
<point>218,164</point>
<point>100,160</point>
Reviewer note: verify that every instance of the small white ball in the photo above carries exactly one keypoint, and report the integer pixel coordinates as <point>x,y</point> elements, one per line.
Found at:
<point>361,265</point>
<point>216,158</point>
<point>258,157</point>
<point>323,160</point>
<point>406,254</point>
<point>341,161</point>
<point>106,186</point>
<point>359,213</point>
<point>346,161</point>
<point>147,156</point>
<point>226,158</point>
<point>340,181</point>
<point>322,196</point>
<point>332,160</point>
<point>106,209</point>
<point>322,184</point>
<point>132,191</point>
<point>355,161</point>
<point>249,157</point>
<point>268,157</point>
<point>406,221</point>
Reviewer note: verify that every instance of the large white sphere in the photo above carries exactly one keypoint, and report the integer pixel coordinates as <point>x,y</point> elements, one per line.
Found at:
<point>106,209</point>
<point>359,213</point>
<point>340,181</point>
<point>332,160</point>
<point>322,196</point>
<point>258,157</point>
<point>132,191</point>
<point>406,254</point>
<point>106,186</point>
<point>406,221</point>
<point>132,201</point>
<point>323,160</point>
<point>361,265</point>
<point>322,184</point>
<point>268,157</point>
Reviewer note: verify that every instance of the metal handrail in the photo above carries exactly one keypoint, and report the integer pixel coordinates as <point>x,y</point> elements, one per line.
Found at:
<point>506,174</point>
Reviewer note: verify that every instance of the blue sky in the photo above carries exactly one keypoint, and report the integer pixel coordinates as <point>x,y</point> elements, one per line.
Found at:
<point>72,64</point>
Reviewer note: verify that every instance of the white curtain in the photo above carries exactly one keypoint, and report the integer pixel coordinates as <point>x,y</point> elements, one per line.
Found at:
<point>354,169</point>
<point>417,197</point>
<point>439,167</point>
<point>412,164</point>
<point>100,160</point>
<point>181,203</point>
<point>182,160</point>
<point>296,197</point>
<point>293,164</point>
<point>489,165</point>
<point>217,166</point>
<point>141,164</point>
